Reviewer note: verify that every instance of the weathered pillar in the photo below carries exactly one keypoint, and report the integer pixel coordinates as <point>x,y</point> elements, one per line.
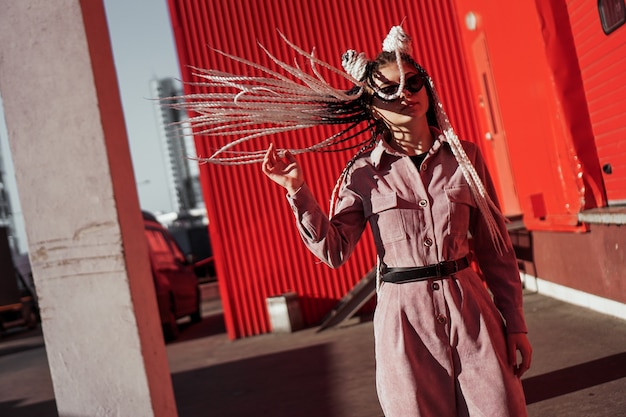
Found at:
<point>78,195</point>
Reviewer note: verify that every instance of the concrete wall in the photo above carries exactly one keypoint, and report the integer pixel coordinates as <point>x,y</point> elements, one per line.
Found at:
<point>84,227</point>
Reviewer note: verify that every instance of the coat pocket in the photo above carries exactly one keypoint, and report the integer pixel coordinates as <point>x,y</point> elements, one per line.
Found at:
<point>460,204</point>
<point>386,219</point>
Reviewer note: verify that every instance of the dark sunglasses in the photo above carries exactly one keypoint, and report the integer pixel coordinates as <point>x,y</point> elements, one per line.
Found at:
<point>413,84</point>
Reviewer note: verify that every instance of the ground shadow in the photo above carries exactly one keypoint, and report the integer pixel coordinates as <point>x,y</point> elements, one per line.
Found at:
<point>285,384</point>
<point>10,350</point>
<point>14,340</point>
<point>14,409</point>
<point>574,378</point>
<point>210,325</point>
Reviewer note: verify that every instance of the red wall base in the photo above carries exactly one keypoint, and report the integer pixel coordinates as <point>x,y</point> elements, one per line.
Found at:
<point>592,262</point>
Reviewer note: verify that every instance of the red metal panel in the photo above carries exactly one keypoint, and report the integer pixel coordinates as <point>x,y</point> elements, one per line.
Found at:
<point>257,249</point>
<point>602,61</point>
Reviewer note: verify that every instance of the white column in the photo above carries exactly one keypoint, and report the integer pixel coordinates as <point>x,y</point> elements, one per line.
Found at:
<point>78,196</point>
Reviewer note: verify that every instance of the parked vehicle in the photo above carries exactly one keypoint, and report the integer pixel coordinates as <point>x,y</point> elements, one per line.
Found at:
<point>190,229</point>
<point>194,241</point>
<point>18,304</point>
<point>20,312</point>
<point>176,285</point>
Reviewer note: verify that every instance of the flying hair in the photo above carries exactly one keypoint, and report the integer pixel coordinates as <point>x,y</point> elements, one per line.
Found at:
<point>252,107</point>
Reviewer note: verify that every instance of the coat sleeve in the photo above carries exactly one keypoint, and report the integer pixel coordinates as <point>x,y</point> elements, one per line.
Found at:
<point>500,272</point>
<point>332,241</point>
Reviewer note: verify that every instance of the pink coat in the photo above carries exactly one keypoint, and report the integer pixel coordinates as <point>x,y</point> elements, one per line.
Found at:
<point>440,343</point>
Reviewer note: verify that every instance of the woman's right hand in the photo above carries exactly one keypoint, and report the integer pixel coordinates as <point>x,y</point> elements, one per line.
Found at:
<point>283,171</point>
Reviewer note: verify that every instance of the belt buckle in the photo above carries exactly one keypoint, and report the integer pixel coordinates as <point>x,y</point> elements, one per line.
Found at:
<point>446,268</point>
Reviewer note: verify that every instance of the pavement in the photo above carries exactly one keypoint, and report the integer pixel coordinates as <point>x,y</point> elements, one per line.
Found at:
<point>579,368</point>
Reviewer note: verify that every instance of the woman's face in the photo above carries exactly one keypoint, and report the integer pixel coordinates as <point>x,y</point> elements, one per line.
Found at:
<point>407,109</point>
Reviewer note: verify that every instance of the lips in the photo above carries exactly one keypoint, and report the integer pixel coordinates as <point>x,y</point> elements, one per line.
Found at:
<point>410,105</point>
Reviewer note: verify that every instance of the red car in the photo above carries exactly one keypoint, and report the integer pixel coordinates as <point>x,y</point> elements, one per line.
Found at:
<point>176,284</point>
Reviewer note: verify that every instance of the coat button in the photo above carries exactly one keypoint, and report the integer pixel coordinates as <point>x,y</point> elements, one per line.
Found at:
<point>435,286</point>
<point>428,242</point>
<point>441,319</point>
<point>423,203</point>
<point>424,166</point>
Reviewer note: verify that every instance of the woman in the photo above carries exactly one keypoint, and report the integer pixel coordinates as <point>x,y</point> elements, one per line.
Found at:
<point>443,346</point>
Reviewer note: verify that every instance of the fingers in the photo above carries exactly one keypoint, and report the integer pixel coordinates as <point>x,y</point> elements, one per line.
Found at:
<point>526,361</point>
<point>269,160</point>
<point>289,157</point>
<point>523,367</point>
<point>282,169</point>
<point>273,161</point>
<point>519,342</point>
<point>511,351</point>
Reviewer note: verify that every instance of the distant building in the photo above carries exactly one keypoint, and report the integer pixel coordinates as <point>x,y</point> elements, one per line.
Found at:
<point>181,171</point>
<point>6,208</point>
<point>11,210</point>
<point>6,216</point>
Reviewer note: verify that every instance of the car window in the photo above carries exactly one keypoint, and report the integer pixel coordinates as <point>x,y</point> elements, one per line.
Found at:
<point>161,252</point>
<point>178,254</point>
<point>164,248</point>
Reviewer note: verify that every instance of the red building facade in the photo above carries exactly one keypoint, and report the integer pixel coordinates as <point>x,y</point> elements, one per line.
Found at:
<point>520,80</point>
<point>557,96</point>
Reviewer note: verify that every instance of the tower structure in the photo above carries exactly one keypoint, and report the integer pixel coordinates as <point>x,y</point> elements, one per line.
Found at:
<point>181,171</point>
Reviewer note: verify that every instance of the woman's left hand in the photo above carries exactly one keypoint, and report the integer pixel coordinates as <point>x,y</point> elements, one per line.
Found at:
<point>515,342</point>
<point>284,171</point>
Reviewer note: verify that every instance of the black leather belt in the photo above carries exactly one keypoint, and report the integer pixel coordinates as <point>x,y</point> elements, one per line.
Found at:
<point>420,273</point>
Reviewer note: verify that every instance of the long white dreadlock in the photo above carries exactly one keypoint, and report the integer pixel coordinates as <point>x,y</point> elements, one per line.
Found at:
<point>303,100</point>
<point>245,105</point>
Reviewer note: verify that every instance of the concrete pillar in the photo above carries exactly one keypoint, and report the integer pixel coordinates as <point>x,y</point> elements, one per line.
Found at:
<point>78,195</point>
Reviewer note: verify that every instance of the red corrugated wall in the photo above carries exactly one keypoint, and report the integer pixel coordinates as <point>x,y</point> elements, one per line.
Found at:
<point>602,61</point>
<point>257,249</point>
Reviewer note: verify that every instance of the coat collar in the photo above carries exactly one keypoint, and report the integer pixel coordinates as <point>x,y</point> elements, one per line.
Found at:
<point>382,147</point>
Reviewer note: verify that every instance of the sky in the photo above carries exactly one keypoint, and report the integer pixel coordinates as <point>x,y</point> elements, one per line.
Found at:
<point>143,50</point>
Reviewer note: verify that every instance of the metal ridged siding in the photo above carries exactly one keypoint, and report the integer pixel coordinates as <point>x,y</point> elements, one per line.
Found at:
<point>257,248</point>
<point>602,61</point>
